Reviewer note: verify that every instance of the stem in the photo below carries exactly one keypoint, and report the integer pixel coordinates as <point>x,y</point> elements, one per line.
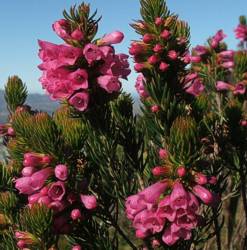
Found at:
<point>121,232</point>
<point>217,229</point>
<point>244,199</point>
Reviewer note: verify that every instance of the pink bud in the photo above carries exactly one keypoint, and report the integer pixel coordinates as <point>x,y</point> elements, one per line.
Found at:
<point>139,67</point>
<point>153,59</point>
<point>158,21</point>
<point>28,171</point>
<point>212,180</point>
<point>75,214</point>
<point>77,35</point>
<point>155,243</point>
<point>158,171</point>
<point>163,66</point>
<point>195,59</point>
<point>140,234</point>
<point>201,179</point>
<point>89,201</point>
<point>147,38</point>
<point>172,54</point>
<point>155,108</point>
<point>158,48</point>
<point>163,153</point>
<point>205,195</point>
<point>181,171</point>
<point>11,132</point>
<point>61,172</point>
<point>112,38</point>
<point>165,34</point>
<point>21,244</point>
<point>76,247</point>
<point>47,159</point>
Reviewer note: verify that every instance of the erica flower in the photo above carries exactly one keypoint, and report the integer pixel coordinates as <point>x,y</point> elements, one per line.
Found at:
<point>109,83</point>
<point>92,53</point>
<point>112,38</point>
<point>89,201</point>
<point>241,32</point>
<point>80,101</point>
<point>57,191</point>
<point>140,86</point>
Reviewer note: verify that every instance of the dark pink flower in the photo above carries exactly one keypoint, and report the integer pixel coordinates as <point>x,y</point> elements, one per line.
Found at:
<point>163,66</point>
<point>239,89</point>
<point>155,108</point>
<point>201,179</point>
<point>57,191</point>
<point>163,153</point>
<point>241,32</point>
<point>140,86</point>
<point>89,201</point>
<point>159,21</point>
<point>205,195</point>
<point>61,172</point>
<point>137,48</point>
<point>165,210</point>
<point>77,34</point>
<point>220,85</point>
<point>172,54</point>
<point>79,79</point>
<point>112,38</point>
<point>196,88</point>
<point>165,34</point>
<point>28,171</point>
<point>23,185</point>
<point>76,247</point>
<point>92,53</point>
<point>181,171</point>
<point>80,101</point>
<point>62,28</point>
<point>200,50</point>
<point>109,83</point>
<point>76,214</point>
<point>179,197</point>
<point>217,38</point>
<point>153,59</point>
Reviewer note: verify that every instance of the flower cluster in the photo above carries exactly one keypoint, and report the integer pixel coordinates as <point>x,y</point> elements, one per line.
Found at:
<point>55,194</point>
<point>241,32</point>
<point>174,215</point>
<point>80,74</point>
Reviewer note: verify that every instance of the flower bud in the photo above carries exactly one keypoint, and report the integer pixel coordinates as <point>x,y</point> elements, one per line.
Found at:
<point>76,247</point>
<point>21,244</point>
<point>165,34</point>
<point>204,194</point>
<point>77,35</point>
<point>153,59</point>
<point>201,179</point>
<point>61,172</point>
<point>159,170</point>
<point>163,66</point>
<point>28,171</point>
<point>163,153</point>
<point>212,180</point>
<point>158,21</point>
<point>112,38</point>
<point>158,48</point>
<point>147,38</point>
<point>181,171</point>
<point>172,54</point>
<point>155,108</point>
<point>89,201</point>
<point>76,214</point>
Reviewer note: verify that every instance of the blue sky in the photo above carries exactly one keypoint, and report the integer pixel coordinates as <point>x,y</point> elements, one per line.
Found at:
<point>22,22</point>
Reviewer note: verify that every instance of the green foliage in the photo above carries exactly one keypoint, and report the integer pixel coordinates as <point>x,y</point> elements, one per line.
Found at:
<point>15,93</point>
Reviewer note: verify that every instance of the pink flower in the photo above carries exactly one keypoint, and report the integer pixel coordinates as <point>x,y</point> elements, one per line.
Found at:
<point>28,171</point>
<point>153,59</point>
<point>165,210</point>
<point>172,54</point>
<point>147,38</point>
<point>92,53</point>
<point>89,201</point>
<point>76,247</point>
<point>163,66</point>
<point>57,191</point>
<point>137,48</point>
<point>159,171</point>
<point>68,54</point>
<point>139,67</point>
<point>196,88</point>
<point>181,171</point>
<point>239,88</point>
<point>217,38</point>
<point>80,101</point>
<point>228,65</point>
<point>109,83</point>
<point>200,50</point>
<point>241,32</point>
<point>205,195</point>
<point>201,179</point>
<point>57,206</point>
<point>23,185</point>
<point>165,34</point>
<point>48,51</point>
<point>220,85</point>
<point>45,200</point>
<point>179,197</point>
<point>76,214</point>
<point>163,153</point>
<point>33,198</point>
<point>79,79</point>
<point>38,178</point>
<point>155,108</point>
<point>77,35</point>
<point>62,28</point>
<point>169,237</point>
<point>61,172</point>
<point>21,244</point>
<point>112,38</point>
<point>158,21</point>
<point>32,159</point>
<point>195,59</point>
<point>140,86</point>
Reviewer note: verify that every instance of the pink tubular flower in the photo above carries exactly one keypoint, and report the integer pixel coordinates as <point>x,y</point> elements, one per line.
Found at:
<point>159,171</point>
<point>76,214</point>
<point>196,88</point>
<point>205,195</point>
<point>179,197</point>
<point>239,89</point>
<point>217,38</point>
<point>181,171</point>
<point>112,38</point>
<point>32,159</point>
<point>137,48</point>
<point>77,35</point>
<point>140,86</point>
<point>62,28</point>
<point>23,185</point>
<point>38,178</point>
<point>165,34</point>
<point>153,59</point>
<point>147,38</point>
<point>57,206</point>
<point>220,86</point>
<point>201,179</point>
<point>158,48</point>
<point>61,172</point>
<point>158,21</point>
<point>163,66</point>
<point>27,171</point>
<point>165,210</point>
<point>195,59</point>
<point>80,101</point>
<point>57,191</point>
<point>109,83</point>
<point>79,79</point>
<point>172,54</point>
<point>76,247</point>
<point>163,153</point>
<point>92,53</point>
<point>155,108</point>
<point>241,32</point>
<point>200,50</point>
<point>89,201</point>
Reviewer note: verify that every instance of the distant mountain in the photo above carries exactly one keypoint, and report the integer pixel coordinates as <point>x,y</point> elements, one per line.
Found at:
<point>43,102</point>
<point>36,101</point>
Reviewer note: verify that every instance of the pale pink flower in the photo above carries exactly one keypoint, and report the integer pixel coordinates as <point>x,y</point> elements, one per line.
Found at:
<point>112,38</point>
<point>220,85</point>
<point>89,201</point>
